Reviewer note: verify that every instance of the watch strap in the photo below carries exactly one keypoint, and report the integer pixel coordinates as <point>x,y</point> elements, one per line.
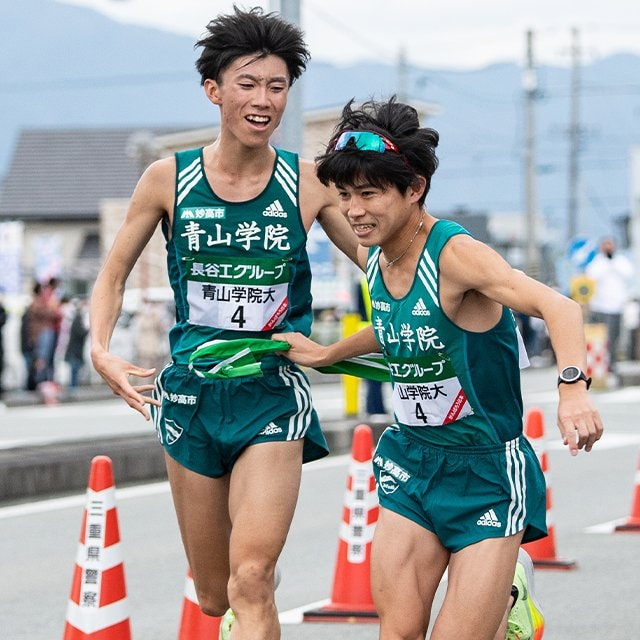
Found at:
<point>582,376</point>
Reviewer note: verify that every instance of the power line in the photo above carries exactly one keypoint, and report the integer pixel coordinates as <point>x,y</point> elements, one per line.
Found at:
<point>97,82</point>
<point>372,46</point>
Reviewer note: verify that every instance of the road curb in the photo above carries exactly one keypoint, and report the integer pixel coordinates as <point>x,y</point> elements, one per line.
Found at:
<point>62,467</point>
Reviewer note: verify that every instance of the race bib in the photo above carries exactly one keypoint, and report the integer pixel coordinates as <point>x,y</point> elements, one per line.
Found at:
<point>238,294</point>
<point>427,392</point>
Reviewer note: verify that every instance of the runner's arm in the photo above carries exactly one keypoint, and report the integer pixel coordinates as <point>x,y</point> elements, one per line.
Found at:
<point>308,353</point>
<point>321,203</point>
<point>147,207</point>
<point>472,265</point>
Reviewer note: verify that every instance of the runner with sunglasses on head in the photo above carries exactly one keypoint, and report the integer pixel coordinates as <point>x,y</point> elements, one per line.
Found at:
<point>459,485</point>
<point>235,215</point>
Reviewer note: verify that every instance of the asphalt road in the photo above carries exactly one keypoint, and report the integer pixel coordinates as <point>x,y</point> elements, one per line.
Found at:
<point>595,601</point>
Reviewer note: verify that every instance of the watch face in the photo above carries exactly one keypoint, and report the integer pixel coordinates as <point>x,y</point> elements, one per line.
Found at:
<point>570,374</point>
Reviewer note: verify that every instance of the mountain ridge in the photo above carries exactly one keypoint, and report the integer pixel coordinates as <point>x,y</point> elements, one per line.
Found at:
<point>69,66</point>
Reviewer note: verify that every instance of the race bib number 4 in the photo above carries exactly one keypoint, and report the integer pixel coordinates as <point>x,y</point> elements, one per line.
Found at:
<point>238,294</point>
<point>427,392</point>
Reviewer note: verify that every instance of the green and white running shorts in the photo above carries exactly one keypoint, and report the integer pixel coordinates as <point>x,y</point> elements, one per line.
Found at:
<point>462,494</point>
<point>205,423</point>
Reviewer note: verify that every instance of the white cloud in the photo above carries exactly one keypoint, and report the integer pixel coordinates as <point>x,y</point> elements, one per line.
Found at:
<point>433,33</point>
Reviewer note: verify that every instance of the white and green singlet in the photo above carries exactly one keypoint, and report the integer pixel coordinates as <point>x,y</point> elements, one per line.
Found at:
<point>237,269</point>
<point>451,387</point>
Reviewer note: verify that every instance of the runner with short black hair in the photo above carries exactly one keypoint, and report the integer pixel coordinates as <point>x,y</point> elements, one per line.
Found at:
<point>235,215</point>
<point>459,485</point>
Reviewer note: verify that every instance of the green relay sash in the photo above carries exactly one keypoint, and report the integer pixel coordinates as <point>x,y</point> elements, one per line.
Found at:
<point>242,357</point>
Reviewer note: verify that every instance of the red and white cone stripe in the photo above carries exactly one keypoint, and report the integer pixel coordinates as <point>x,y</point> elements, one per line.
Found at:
<point>98,607</point>
<point>351,597</point>
<point>360,512</point>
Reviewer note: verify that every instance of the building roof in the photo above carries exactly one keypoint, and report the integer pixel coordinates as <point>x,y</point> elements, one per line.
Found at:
<point>65,173</point>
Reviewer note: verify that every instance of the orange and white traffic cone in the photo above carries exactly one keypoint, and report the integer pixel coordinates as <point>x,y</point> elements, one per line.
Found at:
<point>98,607</point>
<point>543,551</point>
<point>194,624</point>
<point>633,522</point>
<point>351,599</point>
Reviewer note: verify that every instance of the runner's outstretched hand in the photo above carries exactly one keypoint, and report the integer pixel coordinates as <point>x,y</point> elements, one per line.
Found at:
<point>116,371</point>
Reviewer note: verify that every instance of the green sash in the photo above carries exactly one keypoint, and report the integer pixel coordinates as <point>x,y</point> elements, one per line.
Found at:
<point>242,357</point>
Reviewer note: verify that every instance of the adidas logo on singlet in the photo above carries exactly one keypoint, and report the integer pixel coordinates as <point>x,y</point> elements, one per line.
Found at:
<point>420,309</point>
<point>489,519</point>
<point>275,210</point>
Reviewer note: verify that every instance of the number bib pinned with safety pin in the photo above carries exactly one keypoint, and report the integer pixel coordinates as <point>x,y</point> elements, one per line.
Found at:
<point>427,391</point>
<point>238,294</point>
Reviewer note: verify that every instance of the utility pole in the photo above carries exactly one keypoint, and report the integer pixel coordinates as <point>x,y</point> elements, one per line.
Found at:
<point>574,137</point>
<point>142,149</point>
<point>402,91</point>
<point>290,134</point>
<point>530,86</point>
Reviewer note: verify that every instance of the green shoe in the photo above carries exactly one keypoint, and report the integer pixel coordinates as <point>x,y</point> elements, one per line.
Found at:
<point>525,619</point>
<point>225,625</point>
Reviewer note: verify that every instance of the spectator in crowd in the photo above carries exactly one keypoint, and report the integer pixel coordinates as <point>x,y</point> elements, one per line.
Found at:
<point>26,342</point>
<point>78,330</point>
<point>611,272</point>
<point>44,320</point>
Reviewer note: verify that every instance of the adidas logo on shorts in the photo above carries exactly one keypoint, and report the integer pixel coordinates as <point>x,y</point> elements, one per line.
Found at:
<point>274,210</point>
<point>270,430</point>
<point>420,309</point>
<point>489,519</point>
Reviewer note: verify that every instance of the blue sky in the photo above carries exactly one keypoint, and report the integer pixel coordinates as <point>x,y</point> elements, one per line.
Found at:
<point>434,33</point>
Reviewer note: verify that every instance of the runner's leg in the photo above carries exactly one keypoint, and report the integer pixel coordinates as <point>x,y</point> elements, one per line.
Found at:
<point>262,498</point>
<point>201,505</point>
<point>407,563</point>
<point>478,590</point>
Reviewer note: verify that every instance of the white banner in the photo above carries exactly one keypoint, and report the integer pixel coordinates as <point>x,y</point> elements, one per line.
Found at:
<point>11,239</point>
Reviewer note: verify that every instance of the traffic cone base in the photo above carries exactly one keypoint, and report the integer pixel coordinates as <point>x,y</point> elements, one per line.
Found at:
<point>628,527</point>
<point>332,614</point>
<point>351,599</point>
<point>557,563</point>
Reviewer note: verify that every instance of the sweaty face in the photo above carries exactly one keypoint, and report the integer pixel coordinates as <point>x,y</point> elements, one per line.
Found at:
<point>252,95</point>
<point>377,216</point>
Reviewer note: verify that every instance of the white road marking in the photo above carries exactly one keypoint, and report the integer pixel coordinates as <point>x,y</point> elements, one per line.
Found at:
<point>609,440</point>
<point>612,396</point>
<point>295,616</point>
<point>605,527</point>
<point>55,504</point>
<point>72,410</point>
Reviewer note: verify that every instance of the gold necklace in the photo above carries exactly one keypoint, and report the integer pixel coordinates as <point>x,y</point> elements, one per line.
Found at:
<point>390,263</point>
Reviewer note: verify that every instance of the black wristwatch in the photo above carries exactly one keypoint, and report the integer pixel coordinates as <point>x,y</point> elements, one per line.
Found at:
<point>571,375</point>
